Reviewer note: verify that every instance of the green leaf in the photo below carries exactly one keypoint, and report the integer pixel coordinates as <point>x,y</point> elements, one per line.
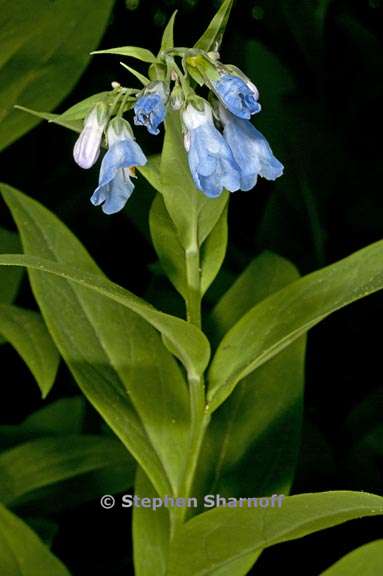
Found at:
<point>191,345</point>
<point>366,560</point>
<point>214,33</point>
<point>138,75</point>
<point>168,36</point>
<point>64,416</point>
<point>46,461</point>
<point>117,359</point>
<point>81,109</point>
<point>9,283</point>
<point>26,331</point>
<point>132,51</point>
<point>152,171</point>
<point>246,454</point>
<point>167,245</point>
<point>213,251</point>
<point>193,214</point>
<point>229,534</point>
<point>279,320</point>
<point>43,52</point>
<point>21,551</point>
<point>75,125</point>
<point>150,532</point>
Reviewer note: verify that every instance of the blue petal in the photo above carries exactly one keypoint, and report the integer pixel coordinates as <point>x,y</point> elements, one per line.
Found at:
<point>236,95</point>
<point>251,152</point>
<point>122,154</point>
<point>114,195</point>
<point>150,111</point>
<point>211,162</point>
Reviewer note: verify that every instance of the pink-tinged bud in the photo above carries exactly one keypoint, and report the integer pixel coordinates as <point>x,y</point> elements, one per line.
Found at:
<point>87,148</point>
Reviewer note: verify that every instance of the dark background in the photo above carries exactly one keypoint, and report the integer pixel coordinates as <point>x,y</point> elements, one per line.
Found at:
<point>321,88</point>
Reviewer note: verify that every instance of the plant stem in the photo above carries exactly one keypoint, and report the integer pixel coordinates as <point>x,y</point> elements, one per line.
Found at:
<point>199,419</point>
<point>193,303</point>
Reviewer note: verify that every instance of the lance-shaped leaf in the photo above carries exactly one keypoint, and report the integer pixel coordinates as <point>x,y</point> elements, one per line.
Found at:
<point>366,560</point>
<point>43,51</point>
<point>116,357</point>
<point>212,37</point>
<point>191,345</point>
<point>151,531</point>
<point>22,553</point>
<point>9,283</point>
<point>252,441</point>
<point>279,320</point>
<point>208,544</point>
<point>132,51</point>
<point>46,461</point>
<point>28,334</point>
<point>168,36</point>
<point>62,417</point>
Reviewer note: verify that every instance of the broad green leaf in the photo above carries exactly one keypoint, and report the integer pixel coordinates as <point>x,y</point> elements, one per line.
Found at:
<point>9,283</point>
<point>366,560</point>
<point>132,51</point>
<point>117,358</point>
<point>27,333</point>
<point>21,551</point>
<point>150,532</point>
<point>193,214</point>
<point>64,416</point>
<point>44,49</point>
<point>191,345</point>
<point>279,320</point>
<point>244,453</point>
<point>212,37</point>
<point>208,543</point>
<point>168,36</point>
<point>46,461</point>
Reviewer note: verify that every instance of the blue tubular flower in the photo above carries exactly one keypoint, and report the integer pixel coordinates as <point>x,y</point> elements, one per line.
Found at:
<point>87,148</point>
<point>150,108</point>
<point>238,96</point>
<point>210,160</point>
<point>115,186</point>
<point>250,150</point>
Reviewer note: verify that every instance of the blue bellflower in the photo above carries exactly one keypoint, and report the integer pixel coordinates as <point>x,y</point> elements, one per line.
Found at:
<point>211,162</point>
<point>150,108</point>
<point>87,148</point>
<point>250,149</point>
<point>238,96</point>
<point>117,167</point>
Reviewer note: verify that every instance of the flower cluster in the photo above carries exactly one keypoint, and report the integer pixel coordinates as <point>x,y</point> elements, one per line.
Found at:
<point>225,150</point>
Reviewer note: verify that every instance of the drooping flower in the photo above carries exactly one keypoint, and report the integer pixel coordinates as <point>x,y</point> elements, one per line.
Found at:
<point>237,95</point>
<point>117,167</point>
<point>87,148</point>
<point>250,149</point>
<point>150,108</point>
<point>211,162</point>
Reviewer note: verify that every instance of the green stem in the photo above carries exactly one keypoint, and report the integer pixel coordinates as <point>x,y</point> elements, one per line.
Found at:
<point>199,418</point>
<point>193,275</point>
